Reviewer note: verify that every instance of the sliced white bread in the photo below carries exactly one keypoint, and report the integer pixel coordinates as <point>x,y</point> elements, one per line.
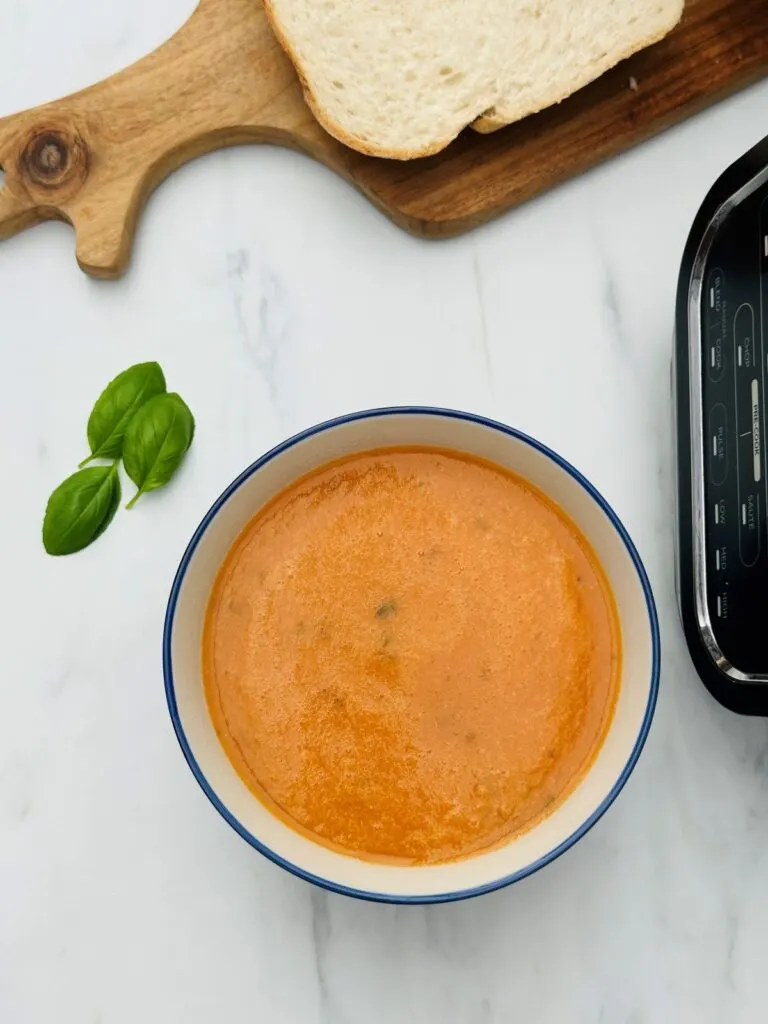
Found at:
<point>402,78</point>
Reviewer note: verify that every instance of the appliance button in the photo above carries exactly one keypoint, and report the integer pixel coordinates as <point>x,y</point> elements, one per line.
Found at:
<point>715,317</point>
<point>749,527</point>
<point>718,445</point>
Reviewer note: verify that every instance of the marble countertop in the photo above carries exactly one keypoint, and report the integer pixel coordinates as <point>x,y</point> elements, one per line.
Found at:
<point>275,296</point>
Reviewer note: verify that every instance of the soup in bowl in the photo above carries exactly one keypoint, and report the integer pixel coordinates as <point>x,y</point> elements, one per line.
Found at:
<point>411,655</point>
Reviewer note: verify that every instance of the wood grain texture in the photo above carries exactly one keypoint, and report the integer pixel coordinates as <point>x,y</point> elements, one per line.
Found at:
<point>93,158</point>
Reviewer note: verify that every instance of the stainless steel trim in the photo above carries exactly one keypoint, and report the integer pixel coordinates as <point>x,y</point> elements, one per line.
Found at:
<point>696,401</point>
<point>676,480</point>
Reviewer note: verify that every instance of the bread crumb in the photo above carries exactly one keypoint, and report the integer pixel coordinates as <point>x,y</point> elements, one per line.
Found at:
<point>633,83</point>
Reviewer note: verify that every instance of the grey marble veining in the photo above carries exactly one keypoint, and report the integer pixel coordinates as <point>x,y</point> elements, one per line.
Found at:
<point>275,296</point>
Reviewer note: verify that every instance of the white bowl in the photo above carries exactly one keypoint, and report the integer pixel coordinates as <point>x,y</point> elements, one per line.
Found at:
<point>484,871</point>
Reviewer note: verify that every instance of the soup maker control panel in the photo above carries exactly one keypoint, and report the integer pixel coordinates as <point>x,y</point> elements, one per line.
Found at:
<point>721,369</point>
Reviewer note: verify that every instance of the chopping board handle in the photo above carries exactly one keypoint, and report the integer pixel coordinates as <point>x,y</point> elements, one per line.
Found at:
<point>93,158</point>
<point>46,161</point>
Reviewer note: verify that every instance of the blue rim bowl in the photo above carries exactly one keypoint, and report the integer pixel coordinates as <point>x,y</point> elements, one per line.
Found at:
<point>382,426</point>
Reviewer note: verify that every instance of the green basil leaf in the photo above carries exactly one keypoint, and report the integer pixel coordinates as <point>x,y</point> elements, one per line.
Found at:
<point>80,509</point>
<point>116,406</point>
<point>156,441</point>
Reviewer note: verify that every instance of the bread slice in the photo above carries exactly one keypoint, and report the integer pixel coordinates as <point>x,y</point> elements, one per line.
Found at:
<point>402,78</point>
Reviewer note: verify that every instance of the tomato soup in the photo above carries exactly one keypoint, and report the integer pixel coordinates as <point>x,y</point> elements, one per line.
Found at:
<point>411,654</point>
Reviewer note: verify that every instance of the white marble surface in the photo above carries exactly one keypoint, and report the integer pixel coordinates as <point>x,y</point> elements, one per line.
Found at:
<point>274,296</point>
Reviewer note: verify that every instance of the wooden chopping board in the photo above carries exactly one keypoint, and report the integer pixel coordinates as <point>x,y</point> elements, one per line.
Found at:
<point>93,158</point>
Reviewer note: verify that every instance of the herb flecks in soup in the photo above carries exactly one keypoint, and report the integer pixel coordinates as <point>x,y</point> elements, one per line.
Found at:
<point>411,654</point>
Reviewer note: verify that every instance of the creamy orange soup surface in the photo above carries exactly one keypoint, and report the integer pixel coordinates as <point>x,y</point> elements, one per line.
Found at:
<point>411,655</point>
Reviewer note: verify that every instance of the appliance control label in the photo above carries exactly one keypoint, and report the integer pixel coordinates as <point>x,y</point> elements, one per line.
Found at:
<point>756,460</point>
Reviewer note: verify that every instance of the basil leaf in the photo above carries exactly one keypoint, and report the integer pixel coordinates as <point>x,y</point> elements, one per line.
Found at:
<point>116,406</point>
<point>156,441</point>
<point>80,509</point>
